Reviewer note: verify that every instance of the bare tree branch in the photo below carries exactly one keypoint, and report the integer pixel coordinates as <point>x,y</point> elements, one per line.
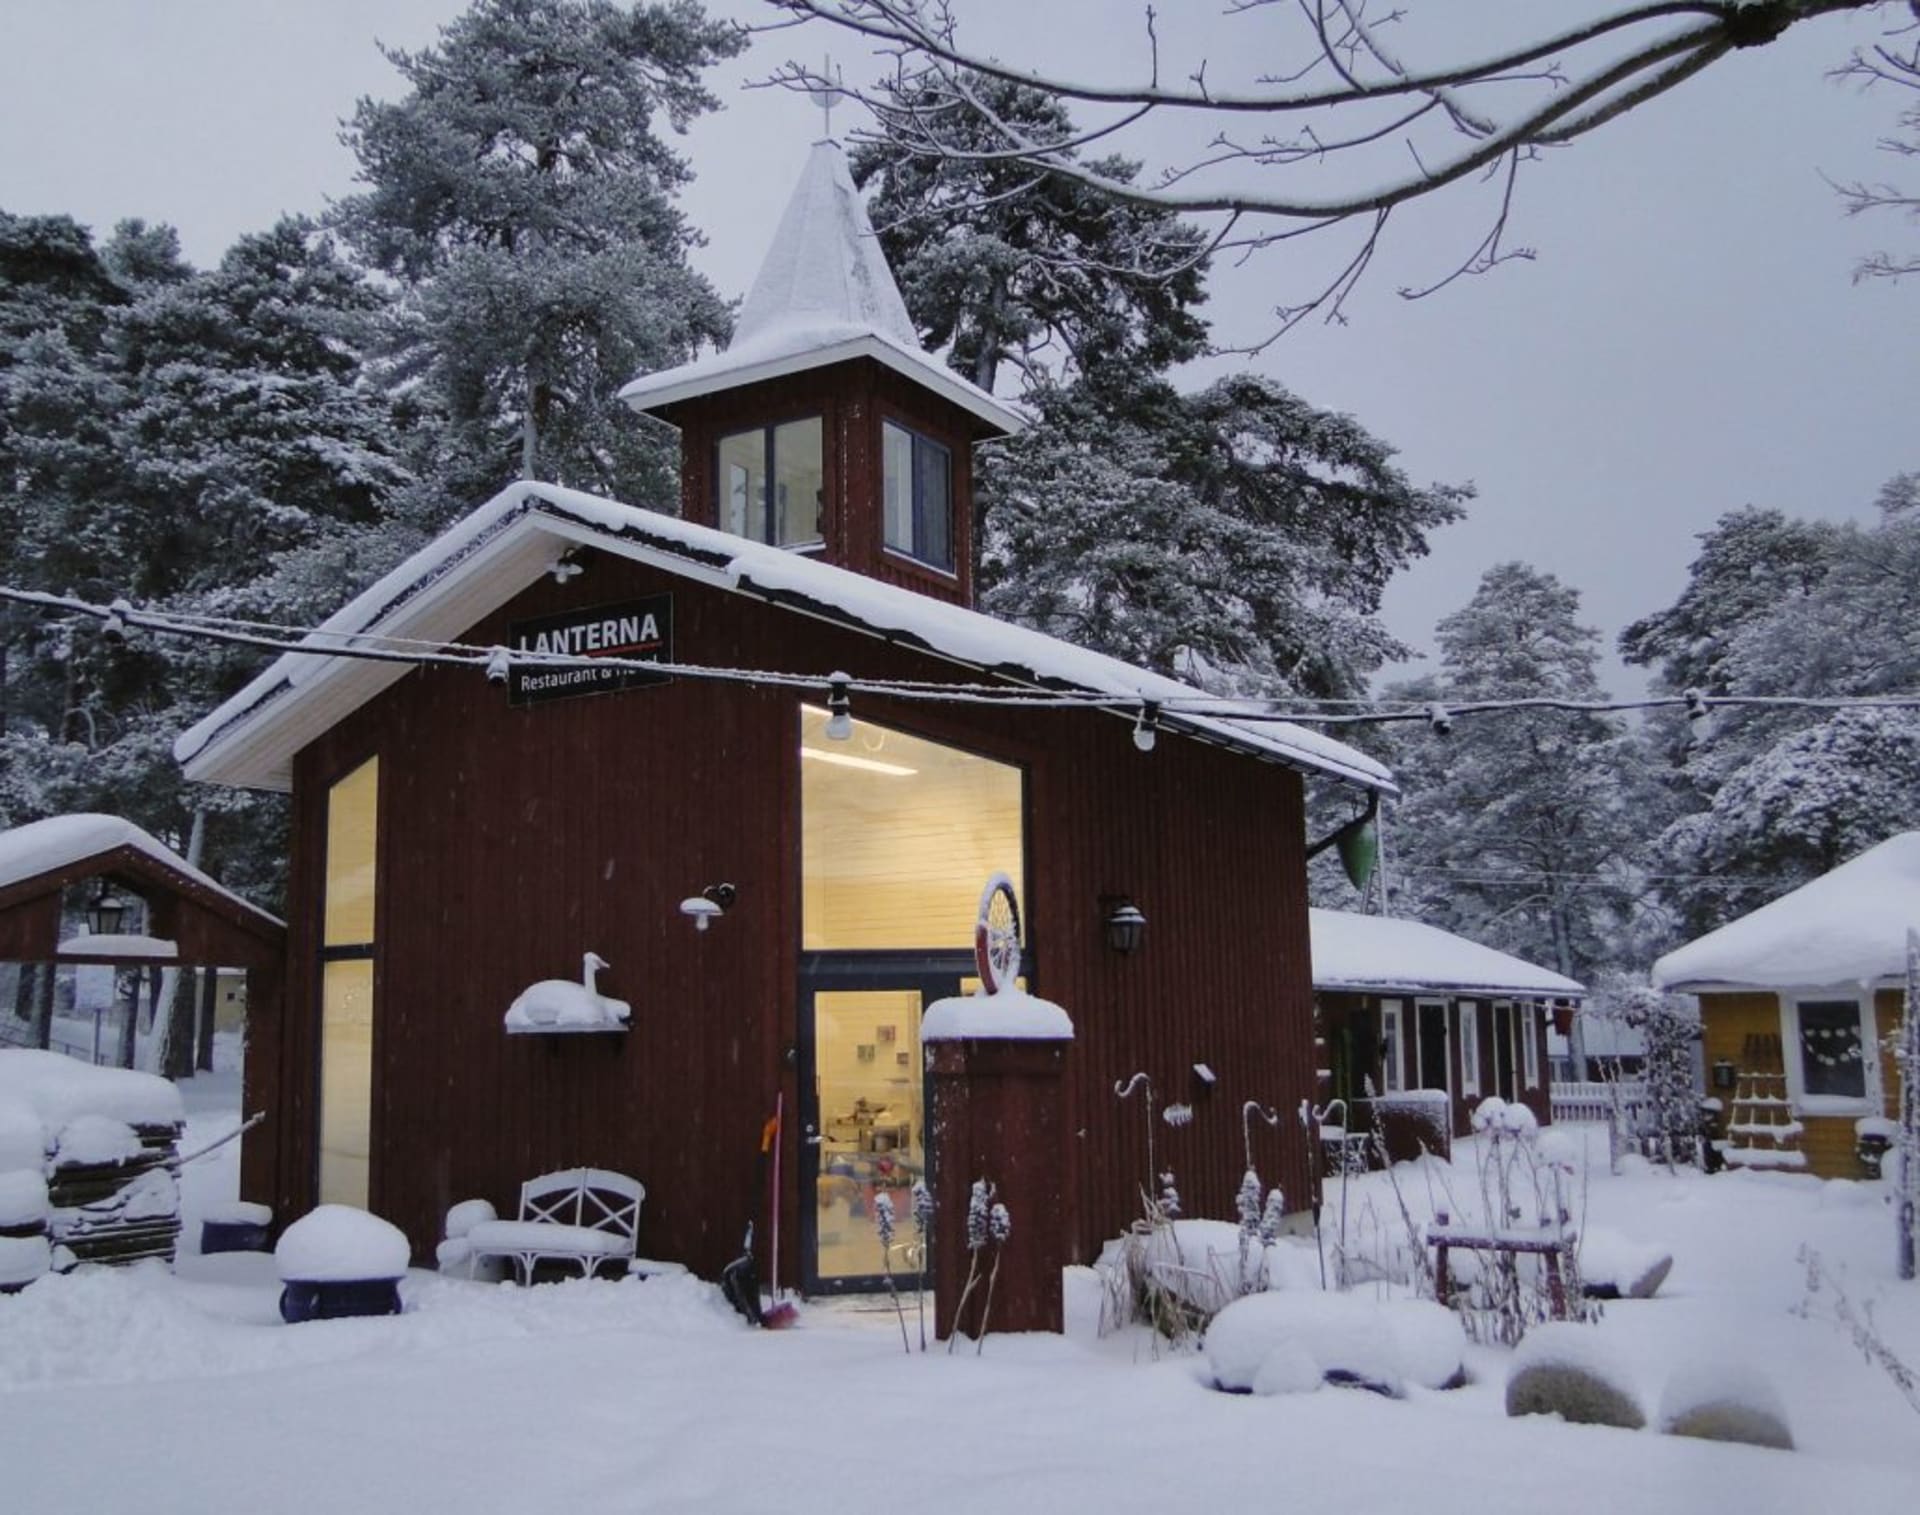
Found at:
<point>1404,130</point>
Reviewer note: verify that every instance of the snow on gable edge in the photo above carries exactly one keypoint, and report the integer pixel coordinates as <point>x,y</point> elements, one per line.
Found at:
<point>777,575</point>
<point>60,841</point>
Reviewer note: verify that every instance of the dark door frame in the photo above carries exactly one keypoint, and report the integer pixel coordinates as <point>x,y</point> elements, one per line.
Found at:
<point>936,975</point>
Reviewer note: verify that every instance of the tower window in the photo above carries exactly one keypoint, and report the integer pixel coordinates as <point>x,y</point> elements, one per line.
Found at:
<point>788,455</point>
<point>917,482</point>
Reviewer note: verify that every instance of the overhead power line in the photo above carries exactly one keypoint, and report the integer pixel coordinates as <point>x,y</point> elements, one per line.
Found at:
<point>120,615</point>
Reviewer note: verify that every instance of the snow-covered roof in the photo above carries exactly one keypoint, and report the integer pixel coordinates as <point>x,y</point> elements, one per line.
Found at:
<point>61,841</point>
<point>1846,927</point>
<point>508,543</point>
<point>823,295</point>
<point>1375,952</point>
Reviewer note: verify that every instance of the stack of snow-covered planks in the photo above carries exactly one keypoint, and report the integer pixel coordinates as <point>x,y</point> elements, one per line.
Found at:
<point>87,1165</point>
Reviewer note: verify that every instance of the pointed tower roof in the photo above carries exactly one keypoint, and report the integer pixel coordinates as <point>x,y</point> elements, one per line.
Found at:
<point>824,295</point>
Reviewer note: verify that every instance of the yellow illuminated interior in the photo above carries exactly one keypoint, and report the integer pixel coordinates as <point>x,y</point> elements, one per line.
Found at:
<point>346,1080</point>
<point>351,814</point>
<point>867,1054</point>
<point>346,987</point>
<point>898,837</point>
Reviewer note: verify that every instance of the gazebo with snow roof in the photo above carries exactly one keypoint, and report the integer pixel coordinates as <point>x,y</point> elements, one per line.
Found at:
<point>52,871</point>
<point>779,888</point>
<point>1414,1012</point>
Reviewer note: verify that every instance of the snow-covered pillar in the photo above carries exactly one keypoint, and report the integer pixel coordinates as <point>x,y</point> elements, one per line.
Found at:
<point>994,1064</point>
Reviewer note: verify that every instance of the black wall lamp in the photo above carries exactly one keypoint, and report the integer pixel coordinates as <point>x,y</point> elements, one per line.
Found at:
<point>106,913</point>
<point>1125,925</point>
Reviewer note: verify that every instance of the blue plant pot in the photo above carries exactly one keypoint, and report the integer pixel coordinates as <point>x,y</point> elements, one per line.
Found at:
<point>338,1299</point>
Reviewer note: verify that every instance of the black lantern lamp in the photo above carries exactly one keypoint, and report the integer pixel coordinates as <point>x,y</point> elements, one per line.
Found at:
<point>1126,926</point>
<point>106,913</point>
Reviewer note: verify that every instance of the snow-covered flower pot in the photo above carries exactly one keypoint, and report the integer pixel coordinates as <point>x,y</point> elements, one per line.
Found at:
<point>338,1261</point>
<point>238,1227</point>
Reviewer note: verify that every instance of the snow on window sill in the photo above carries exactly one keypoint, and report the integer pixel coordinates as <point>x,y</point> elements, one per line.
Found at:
<point>932,570</point>
<point>1834,1104</point>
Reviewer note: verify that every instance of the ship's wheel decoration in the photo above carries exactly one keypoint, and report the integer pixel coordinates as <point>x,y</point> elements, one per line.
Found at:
<point>996,935</point>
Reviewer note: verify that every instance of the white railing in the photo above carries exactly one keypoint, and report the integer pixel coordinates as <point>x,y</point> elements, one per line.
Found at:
<point>1595,1101</point>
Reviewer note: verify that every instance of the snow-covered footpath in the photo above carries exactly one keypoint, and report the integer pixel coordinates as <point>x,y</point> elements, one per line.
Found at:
<point>182,1392</point>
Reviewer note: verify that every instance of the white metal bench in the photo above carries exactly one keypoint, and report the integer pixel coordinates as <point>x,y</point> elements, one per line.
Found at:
<point>579,1217</point>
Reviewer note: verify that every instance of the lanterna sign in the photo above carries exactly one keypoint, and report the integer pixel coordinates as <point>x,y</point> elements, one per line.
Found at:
<point>638,629</point>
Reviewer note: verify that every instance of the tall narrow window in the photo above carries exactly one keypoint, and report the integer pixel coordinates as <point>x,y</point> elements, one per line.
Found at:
<point>916,479</point>
<point>1469,1047</point>
<point>770,481</point>
<point>1529,1030</point>
<point>1390,1044</point>
<point>346,986</point>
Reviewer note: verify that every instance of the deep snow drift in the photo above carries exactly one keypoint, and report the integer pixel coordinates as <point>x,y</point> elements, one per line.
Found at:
<point>642,1396</point>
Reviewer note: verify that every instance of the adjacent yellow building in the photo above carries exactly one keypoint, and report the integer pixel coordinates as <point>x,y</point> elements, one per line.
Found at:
<point>1799,1001</point>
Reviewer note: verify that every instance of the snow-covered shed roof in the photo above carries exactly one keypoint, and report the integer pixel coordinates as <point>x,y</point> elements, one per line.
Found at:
<point>1375,952</point>
<point>65,841</point>
<point>508,543</point>
<point>823,295</point>
<point>1846,927</point>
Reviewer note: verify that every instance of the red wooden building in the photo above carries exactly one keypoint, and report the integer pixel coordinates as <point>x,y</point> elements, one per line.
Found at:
<point>456,838</point>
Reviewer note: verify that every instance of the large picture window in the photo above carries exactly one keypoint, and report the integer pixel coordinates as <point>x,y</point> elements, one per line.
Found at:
<point>787,457</point>
<point>917,483</point>
<point>898,835</point>
<point>1830,1061</point>
<point>346,986</point>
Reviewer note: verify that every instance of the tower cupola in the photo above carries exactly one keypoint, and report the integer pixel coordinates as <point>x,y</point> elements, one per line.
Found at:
<point>824,426</point>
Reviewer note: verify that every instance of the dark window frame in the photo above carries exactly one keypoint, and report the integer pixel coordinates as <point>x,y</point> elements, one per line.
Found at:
<point>767,431</point>
<point>917,507</point>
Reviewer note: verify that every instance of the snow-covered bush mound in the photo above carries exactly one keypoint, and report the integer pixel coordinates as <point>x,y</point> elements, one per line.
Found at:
<point>23,1198</point>
<point>23,1136</point>
<point>1295,1340</point>
<point>58,1090</point>
<point>1567,1370</point>
<point>95,1141</point>
<point>1614,1267</point>
<point>1498,1117</point>
<point>464,1216</point>
<point>22,1260</point>
<point>1198,1263</point>
<point>339,1244</point>
<point>1725,1401</point>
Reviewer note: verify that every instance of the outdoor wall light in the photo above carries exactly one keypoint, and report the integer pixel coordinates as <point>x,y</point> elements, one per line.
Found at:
<point>1146,726</point>
<point>1126,926</point>
<point>106,913</point>
<point>709,904</point>
<point>839,708</point>
<point>1725,1074</point>
<point>564,567</point>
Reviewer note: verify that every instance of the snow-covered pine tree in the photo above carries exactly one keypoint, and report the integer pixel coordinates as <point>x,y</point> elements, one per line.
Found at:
<point>1522,829</point>
<point>523,194</point>
<point>1240,535</point>
<point>1771,797</point>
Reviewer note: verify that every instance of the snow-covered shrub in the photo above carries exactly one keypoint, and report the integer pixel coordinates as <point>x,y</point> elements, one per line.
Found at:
<point>1290,1342</point>
<point>1725,1400</point>
<point>1563,1370</point>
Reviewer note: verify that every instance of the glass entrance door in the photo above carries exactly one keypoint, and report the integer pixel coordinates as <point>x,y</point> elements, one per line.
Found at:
<point>863,1117</point>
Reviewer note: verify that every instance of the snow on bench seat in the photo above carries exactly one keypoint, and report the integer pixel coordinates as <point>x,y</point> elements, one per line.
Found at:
<point>578,1216</point>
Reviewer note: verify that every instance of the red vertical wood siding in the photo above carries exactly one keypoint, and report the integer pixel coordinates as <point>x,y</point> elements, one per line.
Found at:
<point>514,840</point>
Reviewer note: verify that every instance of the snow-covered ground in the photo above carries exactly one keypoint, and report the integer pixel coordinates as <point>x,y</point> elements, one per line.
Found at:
<point>182,1392</point>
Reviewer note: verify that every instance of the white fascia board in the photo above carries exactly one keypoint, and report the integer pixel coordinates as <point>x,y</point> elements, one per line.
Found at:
<point>258,754</point>
<point>644,396</point>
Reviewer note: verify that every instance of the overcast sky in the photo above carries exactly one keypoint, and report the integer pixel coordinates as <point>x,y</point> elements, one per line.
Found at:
<point>1687,342</point>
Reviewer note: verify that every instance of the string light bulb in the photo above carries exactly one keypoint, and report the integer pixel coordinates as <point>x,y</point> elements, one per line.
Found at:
<point>1146,726</point>
<point>1440,719</point>
<point>839,708</point>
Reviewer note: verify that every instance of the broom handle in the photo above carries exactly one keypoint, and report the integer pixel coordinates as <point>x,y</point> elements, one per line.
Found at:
<point>779,1112</point>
